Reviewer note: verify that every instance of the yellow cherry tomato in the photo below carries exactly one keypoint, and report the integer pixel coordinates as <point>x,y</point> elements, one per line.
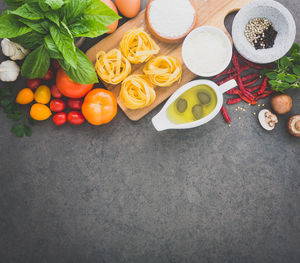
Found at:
<point>25,96</point>
<point>40,112</point>
<point>42,94</point>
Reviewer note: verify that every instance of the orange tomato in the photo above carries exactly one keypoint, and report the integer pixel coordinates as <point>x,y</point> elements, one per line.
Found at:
<point>112,27</point>
<point>99,106</point>
<point>69,88</point>
<point>25,96</point>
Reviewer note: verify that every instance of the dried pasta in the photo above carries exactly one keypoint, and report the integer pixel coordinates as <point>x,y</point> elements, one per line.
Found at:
<point>137,92</point>
<point>112,67</point>
<point>163,71</point>
<point>137,46</point>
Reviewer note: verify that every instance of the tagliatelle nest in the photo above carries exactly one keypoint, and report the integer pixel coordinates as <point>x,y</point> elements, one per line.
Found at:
<point>137,46</point>
<point>112,67</point>
<point>163,71</point>
<point>137,92</point>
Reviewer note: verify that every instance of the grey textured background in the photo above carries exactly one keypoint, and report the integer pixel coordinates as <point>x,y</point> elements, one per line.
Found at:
<point>125,193</point>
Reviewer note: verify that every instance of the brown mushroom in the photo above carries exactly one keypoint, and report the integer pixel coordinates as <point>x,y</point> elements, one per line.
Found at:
<point>282,103</point>
<point>294,125</point>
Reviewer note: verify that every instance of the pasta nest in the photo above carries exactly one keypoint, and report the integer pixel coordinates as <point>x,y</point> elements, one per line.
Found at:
<point>112,67</point>
<point>163,71</point>
<point>137,92</point>
<point>137,46</point>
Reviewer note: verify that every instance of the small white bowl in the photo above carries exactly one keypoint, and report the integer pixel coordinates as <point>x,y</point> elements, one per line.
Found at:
<point>283,22</point>
<point>161,121</point>
<point>193,34</point>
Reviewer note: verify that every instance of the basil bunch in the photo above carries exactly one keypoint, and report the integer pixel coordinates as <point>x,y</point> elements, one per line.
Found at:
<point>48,28</point>
<point>287,72</point>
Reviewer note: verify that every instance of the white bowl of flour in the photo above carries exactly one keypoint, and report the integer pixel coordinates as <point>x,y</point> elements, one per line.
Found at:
<point>206,51</point>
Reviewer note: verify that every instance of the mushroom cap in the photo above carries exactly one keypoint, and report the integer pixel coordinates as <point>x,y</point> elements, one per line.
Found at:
<point>268,123</point>
<point>294,125</point>
<point>281,103</point>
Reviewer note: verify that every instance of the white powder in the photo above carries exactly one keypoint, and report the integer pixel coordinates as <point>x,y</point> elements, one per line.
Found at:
<point>205,52</point>
<point>171,18</point>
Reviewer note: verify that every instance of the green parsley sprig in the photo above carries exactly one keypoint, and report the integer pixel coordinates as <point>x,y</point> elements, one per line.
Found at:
<point>286,73</point>
<point>13,112</point>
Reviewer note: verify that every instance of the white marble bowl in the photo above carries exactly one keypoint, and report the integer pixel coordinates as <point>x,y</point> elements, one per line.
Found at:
<point>283,22</point>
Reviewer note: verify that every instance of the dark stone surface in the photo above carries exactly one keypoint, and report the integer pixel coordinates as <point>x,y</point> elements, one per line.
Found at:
<point>125,193</point>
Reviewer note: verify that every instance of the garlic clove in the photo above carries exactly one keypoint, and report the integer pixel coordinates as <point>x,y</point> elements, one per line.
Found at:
<point>13,50</point>
<point>267,119</point>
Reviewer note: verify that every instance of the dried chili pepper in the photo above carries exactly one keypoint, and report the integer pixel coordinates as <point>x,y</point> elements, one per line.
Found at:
<point>247,84</point>
<point>225,114</point>
<point>250,77</point>
<point>251,89</point>
<point>231,101</point>
<point>243,90</point>
<point>230,77</point>
<point>267,93</point>
<point>249,63</point>
<point>233,91</point>
<point>263,86</point>
<point>230,71</point>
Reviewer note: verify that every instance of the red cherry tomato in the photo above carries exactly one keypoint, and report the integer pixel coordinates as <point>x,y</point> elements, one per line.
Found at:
<point>55,92</point>
<point>55,64</point>
<point>33,83</point>
<point>60,118</point>
<point>75,104</point>
<point>57,105</point>
<point>49,74</point>
<point>75,117</point>
<point>69,88</point>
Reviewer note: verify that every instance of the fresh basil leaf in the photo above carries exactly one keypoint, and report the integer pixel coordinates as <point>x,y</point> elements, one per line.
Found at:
<point>53,16</point>
<point>271,75</point>
<point>11,27</point>
<point>280,76</point>
<point>18,130</point>
<point>296,70</point>
<point>30,40</point>
<point>285,62</point>
<point>28,11</point>
<point>63,39</point>
<point>290,78</point>
<point>43,5</point>
<point>85,72</point>
<point>36,64</point>
<point>295,48</point>
<point>41,27</point>
<point>27,131</point>
<point>56,4</point>
<point>73,9</point>
<point>52,48</point>
<point>101,12</point>
<point>13,4</point>
<point>88,26</point>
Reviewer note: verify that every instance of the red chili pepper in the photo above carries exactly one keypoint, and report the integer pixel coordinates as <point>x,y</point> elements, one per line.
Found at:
<point>247,84</point>
<point>251,89</point>
<point>252,102</point>
<point>233,91</point>
<point>235,62</point>
<point>231,101</point>
<point>230,77</point>
<point>225,72</point>
<point>250,77</point>
<point>249,63</point>
<point>225,114</point>
<point>267,93</point>
<point>263,86</point>
<point>243,90</point>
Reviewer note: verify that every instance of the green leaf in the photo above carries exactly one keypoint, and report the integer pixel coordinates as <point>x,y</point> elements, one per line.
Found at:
<point>27,130</point>
<point>31,121</point>
<point>18,130</point>
<point>296,57</point>
<point>52,48</point>
<point>28,11</point>
<point>13,4</point>
<point>53,16</point>
<point>36,63</point>
<point>295,48</point>
<point>285,62</point>
<point>280,76</point>
<point>74,9</point>
<point>14,116</point>
<point>4,92</point>
<point>88,26</point>
<point>4,102</point>
<point>56,4</point>
<point>101,12</point>
<point>290,78</point>
<point>271,75</point>
<point>10,27</point>
<point>40,26</point>
<point>85,72</point>
<point>43,5</point>
<point>296,70</point>
<point>30,40</point>
<point>63,39</point>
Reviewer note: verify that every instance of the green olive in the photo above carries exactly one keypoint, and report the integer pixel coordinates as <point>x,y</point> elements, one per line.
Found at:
<point>181,105</point>
<point>197,111</point>
<point>203,97</point>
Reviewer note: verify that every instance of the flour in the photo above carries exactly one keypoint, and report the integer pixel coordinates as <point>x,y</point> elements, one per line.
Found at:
<point>171,18</point>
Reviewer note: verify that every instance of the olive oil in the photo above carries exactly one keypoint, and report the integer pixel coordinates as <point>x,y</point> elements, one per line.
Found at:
<point>192,105</point>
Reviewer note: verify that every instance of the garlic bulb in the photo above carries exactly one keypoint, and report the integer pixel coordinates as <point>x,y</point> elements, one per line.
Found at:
<point>13,50</point>
<point>9,71</point>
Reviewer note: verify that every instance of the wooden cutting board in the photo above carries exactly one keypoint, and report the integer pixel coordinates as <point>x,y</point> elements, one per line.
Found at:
<point>210,12</point>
